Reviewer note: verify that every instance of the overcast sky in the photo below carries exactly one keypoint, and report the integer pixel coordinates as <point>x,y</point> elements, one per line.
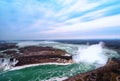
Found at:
<point>59,19</point>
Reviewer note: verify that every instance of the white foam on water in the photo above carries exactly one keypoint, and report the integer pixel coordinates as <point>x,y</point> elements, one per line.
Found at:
<point>27,43</point>
<point>56,79</point>
<point>6,64</point>
<point>34,43</point>
<point>32,65</point>
<point>93,54</point>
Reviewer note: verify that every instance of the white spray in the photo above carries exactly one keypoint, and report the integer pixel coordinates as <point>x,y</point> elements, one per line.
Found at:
<point>93,54</point>
<point>6,64</point>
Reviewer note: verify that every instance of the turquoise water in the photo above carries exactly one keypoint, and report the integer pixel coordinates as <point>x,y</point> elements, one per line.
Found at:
<point>86,58</point>
<point>45,72</point>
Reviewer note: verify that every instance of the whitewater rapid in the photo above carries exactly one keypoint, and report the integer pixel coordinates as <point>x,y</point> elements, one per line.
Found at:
<point>93,54</point>
<point>96,54</point>
<point>86,58</point>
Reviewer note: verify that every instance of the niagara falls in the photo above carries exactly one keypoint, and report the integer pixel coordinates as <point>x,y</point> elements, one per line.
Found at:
<point>59,40</point>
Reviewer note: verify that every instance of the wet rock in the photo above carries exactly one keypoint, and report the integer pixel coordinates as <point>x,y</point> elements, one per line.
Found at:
<point>10,52</point>
<point>110,72</point>
<point>1,56</point>
<point>24,60</point>
<point>36,54</point>
<point>5,46</point>
<point>36,50</point>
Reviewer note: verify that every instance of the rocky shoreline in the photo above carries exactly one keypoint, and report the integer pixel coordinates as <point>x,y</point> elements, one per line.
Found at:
<point>109,72</point>
<point>37,54</point>
<point>33,54</point>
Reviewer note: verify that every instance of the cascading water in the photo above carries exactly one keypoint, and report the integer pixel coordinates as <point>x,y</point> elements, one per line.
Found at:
<point>95,54</point>
<point>92,54</point>
<point>86,57</point>
<point>6,63</point>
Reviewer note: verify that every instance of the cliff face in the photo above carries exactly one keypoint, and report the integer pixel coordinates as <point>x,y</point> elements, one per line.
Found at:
<point>35,50</point>
<point>110,72</point>
<point>34,54</point>
<point>6,46</point>
<point>37,54</point>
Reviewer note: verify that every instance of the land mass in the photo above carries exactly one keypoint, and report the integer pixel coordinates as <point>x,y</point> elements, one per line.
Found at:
<point>37,54</point>
<point>109,72</point>
<point>33,54</point>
